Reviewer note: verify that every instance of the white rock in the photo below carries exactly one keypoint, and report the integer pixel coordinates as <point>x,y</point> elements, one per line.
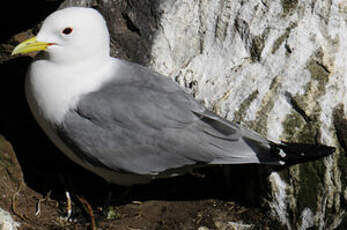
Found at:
<point>6,221</point>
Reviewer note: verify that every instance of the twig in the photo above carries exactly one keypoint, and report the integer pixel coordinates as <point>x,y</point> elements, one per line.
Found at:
<point>89,209</point>
<point>13,205</point>
<point>38,206</point>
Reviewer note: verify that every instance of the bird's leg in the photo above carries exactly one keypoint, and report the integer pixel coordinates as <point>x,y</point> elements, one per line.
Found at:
<point>68,199</point>
<point>108,210</point>
<point>69,206</point>
<point>107,200</point>
<point>227,177</point>
<point>109,196</point>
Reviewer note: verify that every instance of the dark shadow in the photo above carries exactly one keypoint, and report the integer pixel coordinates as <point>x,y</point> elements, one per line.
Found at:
<point>20,16</point>
<point>132,24</point>
<point>229,183</point>
<point>211,183</point>
<point>38,157</point>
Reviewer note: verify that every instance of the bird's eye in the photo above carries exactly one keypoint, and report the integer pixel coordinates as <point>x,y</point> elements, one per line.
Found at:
<point>67,30</point>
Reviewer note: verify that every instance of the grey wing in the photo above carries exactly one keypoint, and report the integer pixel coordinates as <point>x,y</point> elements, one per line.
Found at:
<point>146,124</point>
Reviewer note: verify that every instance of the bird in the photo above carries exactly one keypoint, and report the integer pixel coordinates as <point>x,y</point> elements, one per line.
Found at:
<point>125,122</point>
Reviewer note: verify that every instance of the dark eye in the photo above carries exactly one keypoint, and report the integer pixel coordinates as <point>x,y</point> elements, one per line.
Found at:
<point>67,30</point>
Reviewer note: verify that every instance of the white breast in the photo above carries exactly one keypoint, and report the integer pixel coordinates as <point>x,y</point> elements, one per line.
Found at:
<point>55,89</point>
<point>52,92</point>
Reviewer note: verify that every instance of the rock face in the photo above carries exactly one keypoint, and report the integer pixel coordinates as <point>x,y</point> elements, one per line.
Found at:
<point>278,67</point>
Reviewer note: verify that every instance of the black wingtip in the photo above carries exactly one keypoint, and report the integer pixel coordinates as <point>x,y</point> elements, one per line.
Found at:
<point>295,153</point>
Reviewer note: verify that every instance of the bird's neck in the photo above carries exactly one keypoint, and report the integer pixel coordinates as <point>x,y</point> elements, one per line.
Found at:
<point>82,63</point>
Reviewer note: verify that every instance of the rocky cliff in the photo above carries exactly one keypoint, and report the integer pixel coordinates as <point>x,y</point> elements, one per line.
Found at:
<point>278,67</point>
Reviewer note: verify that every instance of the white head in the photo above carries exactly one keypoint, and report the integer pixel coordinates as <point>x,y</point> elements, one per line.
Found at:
<point>71,35</point>
<point>76,41</point>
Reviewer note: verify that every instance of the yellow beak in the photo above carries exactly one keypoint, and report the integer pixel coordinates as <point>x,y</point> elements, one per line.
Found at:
<point>30,45</point>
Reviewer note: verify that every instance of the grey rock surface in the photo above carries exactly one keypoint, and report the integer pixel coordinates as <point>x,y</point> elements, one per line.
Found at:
<point>276,66</point>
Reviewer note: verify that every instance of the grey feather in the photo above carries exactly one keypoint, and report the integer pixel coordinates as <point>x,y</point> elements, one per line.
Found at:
<point>144,123</point>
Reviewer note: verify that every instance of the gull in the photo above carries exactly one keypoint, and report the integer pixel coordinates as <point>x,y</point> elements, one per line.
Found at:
<point>125,122</point>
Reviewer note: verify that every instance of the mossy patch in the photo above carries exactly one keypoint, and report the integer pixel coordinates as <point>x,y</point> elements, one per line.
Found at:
<point>319,72</point>
<point>340,124</point>
<point>112,213</point>
<point>311,183</point>
<point>342,163</point>
<point>303,126</point>
<point>222,22</point>
<point>268,102</point>
<point>288,6</point>
<point>295,126</point>
<point>241,113</point>
<point>221,29</point>
<point>279,41</point>
<point>258,44</point>
<point>296,129</point>
<point>308,102</point>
